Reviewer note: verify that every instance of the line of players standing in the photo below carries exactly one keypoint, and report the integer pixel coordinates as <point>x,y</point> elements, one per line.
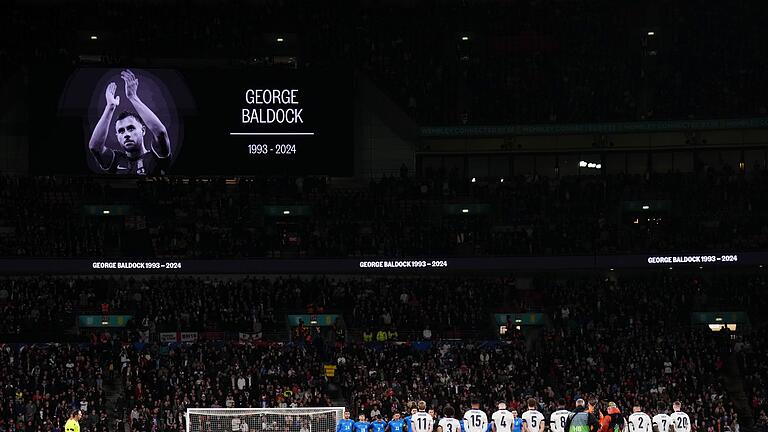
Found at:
<point>582,419</point>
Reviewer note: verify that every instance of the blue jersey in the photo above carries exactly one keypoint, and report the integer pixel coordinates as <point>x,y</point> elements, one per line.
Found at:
<point>396,425</point>
<point>379,426</point>
<point>345,426</point>
<point>408,423</point>
<point>362,426</point>
<point>517,425</point>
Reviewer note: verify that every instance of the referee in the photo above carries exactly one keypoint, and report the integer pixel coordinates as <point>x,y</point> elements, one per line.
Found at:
<point>73,424</point>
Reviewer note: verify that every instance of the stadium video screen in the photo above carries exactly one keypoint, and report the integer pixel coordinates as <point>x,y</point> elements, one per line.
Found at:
<point>149,122</point>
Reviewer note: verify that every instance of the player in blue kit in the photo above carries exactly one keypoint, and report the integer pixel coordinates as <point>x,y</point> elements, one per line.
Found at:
<point>345,425</point>
<point>408,419</point>
<point>517,422</point>
<point>378,425</point>
<point>397,424</point>
<point>362,425</point>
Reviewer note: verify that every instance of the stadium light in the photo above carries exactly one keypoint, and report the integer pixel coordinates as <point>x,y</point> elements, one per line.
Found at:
<point>718,319</point>
<point>474,179</point>
<point>280,40</point>
<point>465,210</point>
<point>106,212</point>
<point>611,269</point>
<point>646,207</point>
<point>599,166</point>
<point>583,164</point>
<point>94,37</point>
<point>670,268</point>
<point>502,180</point>
<point>465,38</point>
<point>591,165</point>
<point>518,320</point>
<point>650,33</point>
<point>286,212</point>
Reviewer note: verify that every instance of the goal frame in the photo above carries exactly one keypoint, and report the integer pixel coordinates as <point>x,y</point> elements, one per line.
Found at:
<point>256,411</point>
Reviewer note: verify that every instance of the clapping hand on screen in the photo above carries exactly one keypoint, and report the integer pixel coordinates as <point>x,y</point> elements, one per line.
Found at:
<point>131,83</point>
<point>112,99</point>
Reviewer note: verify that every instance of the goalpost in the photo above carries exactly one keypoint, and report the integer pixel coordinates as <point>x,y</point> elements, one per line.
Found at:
<point>263,419</point>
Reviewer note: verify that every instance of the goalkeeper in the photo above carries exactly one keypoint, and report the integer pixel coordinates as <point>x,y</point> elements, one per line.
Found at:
<point>73,424</point>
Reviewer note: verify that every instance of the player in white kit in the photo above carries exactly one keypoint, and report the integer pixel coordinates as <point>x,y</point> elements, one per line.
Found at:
<point>639,421</point>
<point>661,421</point>
<point>534,420</point>
<point>679,420</point>
<point>502,419</point>
<point>422,421</point>
<point>558,418</point>
<point>475,420</point>
<point>448,423</point>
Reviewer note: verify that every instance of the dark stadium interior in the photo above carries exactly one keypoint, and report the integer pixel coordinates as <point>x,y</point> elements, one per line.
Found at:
<point>514,199</point>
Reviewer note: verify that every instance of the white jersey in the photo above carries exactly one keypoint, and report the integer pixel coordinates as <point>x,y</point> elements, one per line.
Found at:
<point>533,420</point>
<point>639,422</point>
<point>235,424</point>
<point>449,424</point>
<point>503,420</point>
<point>661,422</point>
<point>422,422</point>
<point>680,422</point>
<point>557,420</point>
<point>475,420</point>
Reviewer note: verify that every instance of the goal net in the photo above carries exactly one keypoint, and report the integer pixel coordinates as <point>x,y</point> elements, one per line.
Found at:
<point>263,419</point>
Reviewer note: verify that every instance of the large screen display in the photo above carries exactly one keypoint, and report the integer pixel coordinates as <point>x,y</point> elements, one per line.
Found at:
<point>150,122</point>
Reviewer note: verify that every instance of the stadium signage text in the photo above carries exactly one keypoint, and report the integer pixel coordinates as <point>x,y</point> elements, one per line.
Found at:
<point>686,259</point>
<point>402,264</point>
<point>138,265</point>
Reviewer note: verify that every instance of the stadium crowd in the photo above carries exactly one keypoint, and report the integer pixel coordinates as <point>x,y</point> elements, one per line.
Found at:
<point>395,216</point>
<point>627,340</point>
<point>41,384</point>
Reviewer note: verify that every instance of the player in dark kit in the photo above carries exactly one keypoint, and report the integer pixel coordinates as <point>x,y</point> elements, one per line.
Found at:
<point>130,128</point>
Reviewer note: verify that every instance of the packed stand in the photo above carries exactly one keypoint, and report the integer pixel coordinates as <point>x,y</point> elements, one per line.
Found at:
<point>162,382</point>
<point>41,384</point>
<point>625,339</point>
<point>395,216</point>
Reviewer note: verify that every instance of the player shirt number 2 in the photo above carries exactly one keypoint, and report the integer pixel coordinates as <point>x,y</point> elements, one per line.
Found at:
<point>639,422</point>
